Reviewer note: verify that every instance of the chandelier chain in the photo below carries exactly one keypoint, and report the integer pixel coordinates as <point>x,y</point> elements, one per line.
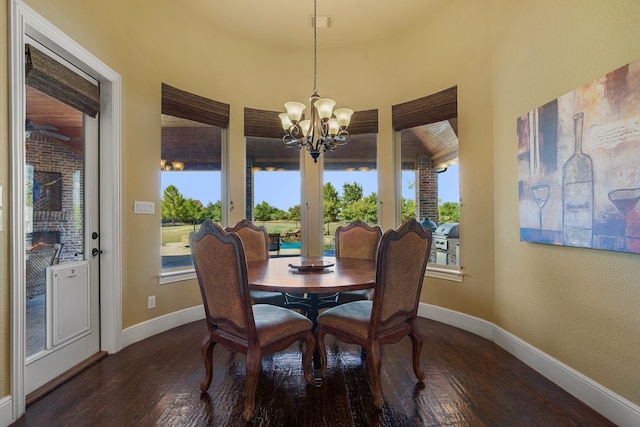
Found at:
<point>315,48</point>
<point>321,131</point>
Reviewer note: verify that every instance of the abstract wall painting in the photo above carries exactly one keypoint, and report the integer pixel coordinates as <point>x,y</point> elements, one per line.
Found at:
<point>579,166</point>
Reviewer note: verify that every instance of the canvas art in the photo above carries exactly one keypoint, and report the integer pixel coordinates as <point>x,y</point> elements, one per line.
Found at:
<point>579,166</point>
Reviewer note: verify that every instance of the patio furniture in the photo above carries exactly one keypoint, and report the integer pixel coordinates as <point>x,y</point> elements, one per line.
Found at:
<point>36,265</point>
<point>274,243</point>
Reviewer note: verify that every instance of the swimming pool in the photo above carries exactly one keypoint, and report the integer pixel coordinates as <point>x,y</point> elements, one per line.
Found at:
<point>296,246</point>
<point>289,245</point>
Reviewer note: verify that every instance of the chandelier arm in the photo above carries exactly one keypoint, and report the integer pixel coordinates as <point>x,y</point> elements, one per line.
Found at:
<point>324,125</point>
<point>341,138</point>
<point>330,147</point>
<point>290,142</point>
<point>291,137</point>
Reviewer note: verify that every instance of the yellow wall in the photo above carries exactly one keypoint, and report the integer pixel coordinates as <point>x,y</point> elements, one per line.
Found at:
<point>505,57</point>
<point>578,305</point>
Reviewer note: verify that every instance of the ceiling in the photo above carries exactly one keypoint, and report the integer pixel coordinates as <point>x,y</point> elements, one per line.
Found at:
<point>287,22</point>
<point>357,21</point>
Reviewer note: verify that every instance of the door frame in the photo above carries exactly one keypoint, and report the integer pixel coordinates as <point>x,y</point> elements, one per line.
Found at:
<point>24,20</point>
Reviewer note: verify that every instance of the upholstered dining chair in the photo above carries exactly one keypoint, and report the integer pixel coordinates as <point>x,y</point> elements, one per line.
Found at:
<point>357,240</point>
<point>232,319</point>
<point>256,246</point>
<point>391,315</point>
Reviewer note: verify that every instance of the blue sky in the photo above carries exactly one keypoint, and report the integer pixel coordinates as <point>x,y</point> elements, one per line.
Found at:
<point>282,189</point>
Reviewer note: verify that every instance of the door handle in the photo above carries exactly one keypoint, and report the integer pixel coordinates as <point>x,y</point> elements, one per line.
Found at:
<point>95,251</point>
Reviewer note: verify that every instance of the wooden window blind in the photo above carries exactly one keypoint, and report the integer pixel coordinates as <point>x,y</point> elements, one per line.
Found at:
<point>178,103</point>
<point>266,124</point>
<point>54,79</point>
<point>423,111</point>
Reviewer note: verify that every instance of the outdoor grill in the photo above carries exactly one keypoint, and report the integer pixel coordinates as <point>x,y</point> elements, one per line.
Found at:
<point>444,232</point>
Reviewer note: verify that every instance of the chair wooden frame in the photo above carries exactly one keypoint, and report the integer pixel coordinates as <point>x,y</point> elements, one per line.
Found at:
<point>230,313</point>
<point>372,324</point>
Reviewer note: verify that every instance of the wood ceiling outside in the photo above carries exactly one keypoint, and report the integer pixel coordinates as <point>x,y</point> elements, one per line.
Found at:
<point>44,110</point>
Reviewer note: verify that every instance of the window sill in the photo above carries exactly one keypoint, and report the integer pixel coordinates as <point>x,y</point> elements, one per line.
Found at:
<point>177,276</point>
<point>446,273</point>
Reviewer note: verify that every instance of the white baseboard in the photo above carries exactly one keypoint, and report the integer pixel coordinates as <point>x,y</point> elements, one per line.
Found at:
<point>612,406</point>
<point>6,411</point>
<point>161,324</point>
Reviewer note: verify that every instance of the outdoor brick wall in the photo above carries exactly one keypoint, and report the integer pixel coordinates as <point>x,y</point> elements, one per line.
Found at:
<point>46,156</point>
<point>248,209</point>
<point>427,190</point>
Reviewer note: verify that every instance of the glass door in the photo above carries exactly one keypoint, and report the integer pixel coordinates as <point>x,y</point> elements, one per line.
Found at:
<point>61,237</point>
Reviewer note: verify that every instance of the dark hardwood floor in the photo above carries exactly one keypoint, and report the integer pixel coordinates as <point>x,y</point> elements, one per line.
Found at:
<point>469,382</point>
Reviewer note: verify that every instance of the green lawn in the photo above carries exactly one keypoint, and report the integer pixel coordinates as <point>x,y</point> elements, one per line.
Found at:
<point>279,227</point>
<point>173,234</point>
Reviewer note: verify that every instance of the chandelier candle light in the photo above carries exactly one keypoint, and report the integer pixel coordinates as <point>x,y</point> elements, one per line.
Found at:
<point>326,129</point>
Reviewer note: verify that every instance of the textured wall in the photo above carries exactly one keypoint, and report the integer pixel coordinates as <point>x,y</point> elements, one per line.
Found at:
<point>578,305</point>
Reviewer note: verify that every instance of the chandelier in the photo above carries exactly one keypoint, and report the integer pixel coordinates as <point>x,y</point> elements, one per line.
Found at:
<point>326,129</point>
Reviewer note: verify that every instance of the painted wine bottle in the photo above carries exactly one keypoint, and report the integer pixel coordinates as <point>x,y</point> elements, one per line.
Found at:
<point>577,193</point>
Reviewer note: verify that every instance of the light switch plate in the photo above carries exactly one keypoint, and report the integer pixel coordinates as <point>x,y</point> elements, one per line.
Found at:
<point>144,208</point>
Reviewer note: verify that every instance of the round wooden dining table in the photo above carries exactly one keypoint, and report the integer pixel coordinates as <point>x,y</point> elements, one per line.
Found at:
<point>307,278</point>
<point>297,274</point>
<point>309,286</point>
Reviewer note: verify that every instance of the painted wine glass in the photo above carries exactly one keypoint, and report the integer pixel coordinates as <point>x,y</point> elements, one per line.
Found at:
<point>540,195</point>
<point>625,200</point>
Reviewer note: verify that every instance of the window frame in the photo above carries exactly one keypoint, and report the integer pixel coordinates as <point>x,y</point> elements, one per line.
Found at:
<point>185,105</point>
<point>433,108</point>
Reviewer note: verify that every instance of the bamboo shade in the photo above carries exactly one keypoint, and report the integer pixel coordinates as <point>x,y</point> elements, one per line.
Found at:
<point>51,77</point>
<point>178,103</point>
<point>363,122</point>
<point>423,111</point>
<point>262,123</point>
<point>266,124</point>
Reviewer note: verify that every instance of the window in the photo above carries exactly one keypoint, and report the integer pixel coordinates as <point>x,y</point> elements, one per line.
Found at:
<point>351,179</point>
<point>350,185</point>
<point>191,172</point>
<point>273,180</point>
<point>427,129</point>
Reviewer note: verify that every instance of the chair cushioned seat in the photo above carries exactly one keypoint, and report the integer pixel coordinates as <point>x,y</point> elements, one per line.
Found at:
<point>353,317</point>
<point>267,297</point>
<point>269,322</point>
<point>349,296</point>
